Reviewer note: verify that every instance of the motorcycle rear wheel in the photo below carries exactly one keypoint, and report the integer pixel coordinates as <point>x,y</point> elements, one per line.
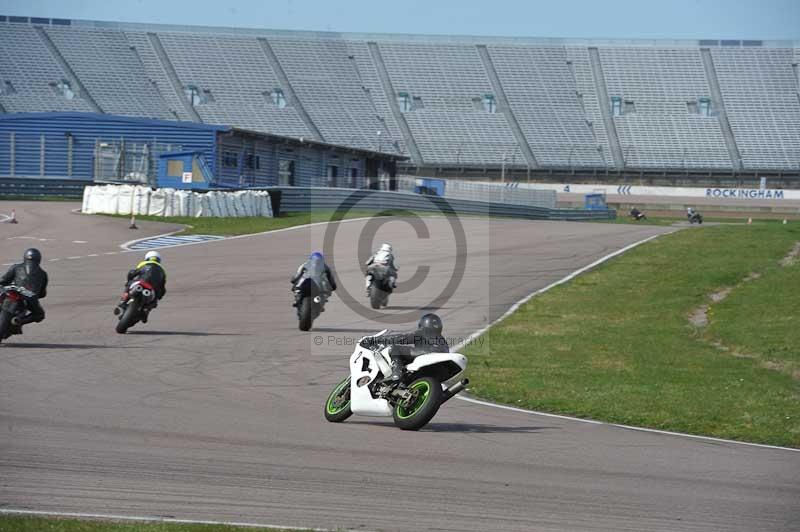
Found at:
<point>428,401</point>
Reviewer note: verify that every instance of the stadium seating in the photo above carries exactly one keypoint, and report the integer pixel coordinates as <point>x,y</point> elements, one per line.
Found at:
<point>459,102</point>
<point>659,130</point>
<point>761,96</point>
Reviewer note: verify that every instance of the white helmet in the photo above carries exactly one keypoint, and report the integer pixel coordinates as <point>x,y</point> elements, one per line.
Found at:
<point>153,255</point>
<point>386,247</point>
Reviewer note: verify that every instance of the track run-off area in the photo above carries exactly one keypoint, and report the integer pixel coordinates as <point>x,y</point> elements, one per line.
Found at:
<point>213,410</point>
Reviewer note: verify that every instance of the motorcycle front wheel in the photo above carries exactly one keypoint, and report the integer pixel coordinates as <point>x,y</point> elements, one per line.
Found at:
<point>5,325</point>
<point>128,318</point>
<point>305,313</point>
<point>337,407</point>
<point>427,402</point>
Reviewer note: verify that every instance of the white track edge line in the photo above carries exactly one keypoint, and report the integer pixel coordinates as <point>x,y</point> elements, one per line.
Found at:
<point>115,517</point>
<point>563,280</point>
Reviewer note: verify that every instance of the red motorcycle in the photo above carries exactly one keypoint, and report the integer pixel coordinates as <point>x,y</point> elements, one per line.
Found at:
<point>13,306</point>
<point>136,302</point>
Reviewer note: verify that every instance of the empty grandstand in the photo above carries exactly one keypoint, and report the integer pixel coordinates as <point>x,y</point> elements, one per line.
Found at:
<point>452,105</point>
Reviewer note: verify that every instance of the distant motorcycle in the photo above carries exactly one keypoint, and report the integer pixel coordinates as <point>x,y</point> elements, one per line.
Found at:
<point>695,218</point>
<point>13,306</point>
<point>136,302</point>
<point>412,402</point>
<point>637,215</point>
<point>380,285</point>
<point>309,300</point>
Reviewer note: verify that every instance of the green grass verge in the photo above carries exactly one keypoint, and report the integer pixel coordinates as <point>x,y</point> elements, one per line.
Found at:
<point>255,224</point>
<point>42,524</point>
<point>615,344</point>
<point>37,198</point>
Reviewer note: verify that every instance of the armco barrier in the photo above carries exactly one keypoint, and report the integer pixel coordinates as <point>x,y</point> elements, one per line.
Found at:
<point>34,186</point>
<point>301,199</point>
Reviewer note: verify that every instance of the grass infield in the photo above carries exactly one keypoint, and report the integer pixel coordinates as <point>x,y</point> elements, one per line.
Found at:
<point>16,523</point>
<point>616,344</point>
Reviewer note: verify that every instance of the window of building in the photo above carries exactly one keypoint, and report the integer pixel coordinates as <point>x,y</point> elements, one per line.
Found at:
<point>197,96</point>
<point>286,172</point>
<point>404,102</point>
<point>174,168</point>
<point>416,103</point>
<point>353,177</point>
<point>7,88</point>
<point>692,108</point>
<point>230,159</point>
<point>252,162</point>
<point>193,94</point>
<point>278,98</point>
<point>704,106</point>
<point>333,176</point>
<point>489,103</point>
<point>63,88</point>
<point>628,107</point>
<point>616,106</point>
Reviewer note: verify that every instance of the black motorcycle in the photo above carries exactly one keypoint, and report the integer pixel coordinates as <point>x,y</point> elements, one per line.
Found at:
<point>637,215</point>
<point>695,218</point>
<point>13,307</point>
<point>379,286</point>
<point>309,300</point>
<point>136,302</point>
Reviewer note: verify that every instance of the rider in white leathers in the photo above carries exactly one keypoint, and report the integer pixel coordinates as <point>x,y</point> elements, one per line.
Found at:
<point>385,257</point>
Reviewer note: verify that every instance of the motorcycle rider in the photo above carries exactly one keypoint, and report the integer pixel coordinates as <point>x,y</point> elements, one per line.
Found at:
<point>151,270</point>
<point>316,268</point>
<point>30,275</point>
<point>384,256</point>
<point>404,347</point>
<point>690,212</point>
<point>636,214</point>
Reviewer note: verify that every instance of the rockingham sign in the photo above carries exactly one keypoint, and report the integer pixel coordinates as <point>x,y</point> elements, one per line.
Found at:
<point>745,193</point>
<point>749,194</point>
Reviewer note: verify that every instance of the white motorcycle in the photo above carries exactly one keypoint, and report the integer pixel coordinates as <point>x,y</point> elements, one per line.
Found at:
<point>412,402</point>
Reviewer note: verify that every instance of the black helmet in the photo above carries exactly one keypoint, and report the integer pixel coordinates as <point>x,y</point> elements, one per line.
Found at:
<point>431,322</point>
<point>32,258</point>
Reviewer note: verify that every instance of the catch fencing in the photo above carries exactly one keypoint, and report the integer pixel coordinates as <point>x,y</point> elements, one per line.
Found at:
<point>304,199</point>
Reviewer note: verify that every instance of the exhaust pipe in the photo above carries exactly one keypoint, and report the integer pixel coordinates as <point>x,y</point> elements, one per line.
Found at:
<point>454,389</point>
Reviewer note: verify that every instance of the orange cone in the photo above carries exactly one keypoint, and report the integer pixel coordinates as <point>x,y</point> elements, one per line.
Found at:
<point>13,219</point>
<point>133,222</point>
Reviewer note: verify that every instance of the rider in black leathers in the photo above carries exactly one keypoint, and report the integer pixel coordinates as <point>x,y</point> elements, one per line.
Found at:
<point>427,338</point>
<point>150,270</point>
<point>316,268</point>
<point>30,275</point>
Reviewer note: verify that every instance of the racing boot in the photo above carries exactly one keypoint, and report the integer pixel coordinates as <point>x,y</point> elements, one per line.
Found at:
<point>398,371</point>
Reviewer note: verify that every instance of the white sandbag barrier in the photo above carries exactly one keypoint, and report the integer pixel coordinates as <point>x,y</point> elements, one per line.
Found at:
<point>130,199</point>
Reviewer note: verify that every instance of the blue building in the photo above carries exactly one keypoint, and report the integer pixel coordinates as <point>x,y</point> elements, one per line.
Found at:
<point>110,148</point>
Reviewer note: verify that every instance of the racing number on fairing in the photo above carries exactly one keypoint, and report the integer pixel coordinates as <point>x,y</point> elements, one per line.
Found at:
<point>365,365</point>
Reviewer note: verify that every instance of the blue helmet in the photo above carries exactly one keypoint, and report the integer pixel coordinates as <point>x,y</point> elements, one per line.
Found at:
<point>317,255</point>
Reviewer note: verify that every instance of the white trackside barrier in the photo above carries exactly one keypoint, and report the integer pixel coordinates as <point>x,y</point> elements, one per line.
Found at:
<point>137,200</point>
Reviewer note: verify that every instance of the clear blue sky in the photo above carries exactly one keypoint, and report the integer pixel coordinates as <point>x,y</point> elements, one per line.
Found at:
<point>669,19</point>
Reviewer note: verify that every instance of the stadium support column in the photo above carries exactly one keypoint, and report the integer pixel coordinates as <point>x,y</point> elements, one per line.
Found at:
<point>71,76</point>
<point>177,86</point>
<point>391,96</point>
<point>605,106</point>
<point>719,107</point>
<point>288,90</point>
<point>505,107</point>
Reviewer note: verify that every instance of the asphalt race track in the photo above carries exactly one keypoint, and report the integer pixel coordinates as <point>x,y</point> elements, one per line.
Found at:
<point>213,410</point>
